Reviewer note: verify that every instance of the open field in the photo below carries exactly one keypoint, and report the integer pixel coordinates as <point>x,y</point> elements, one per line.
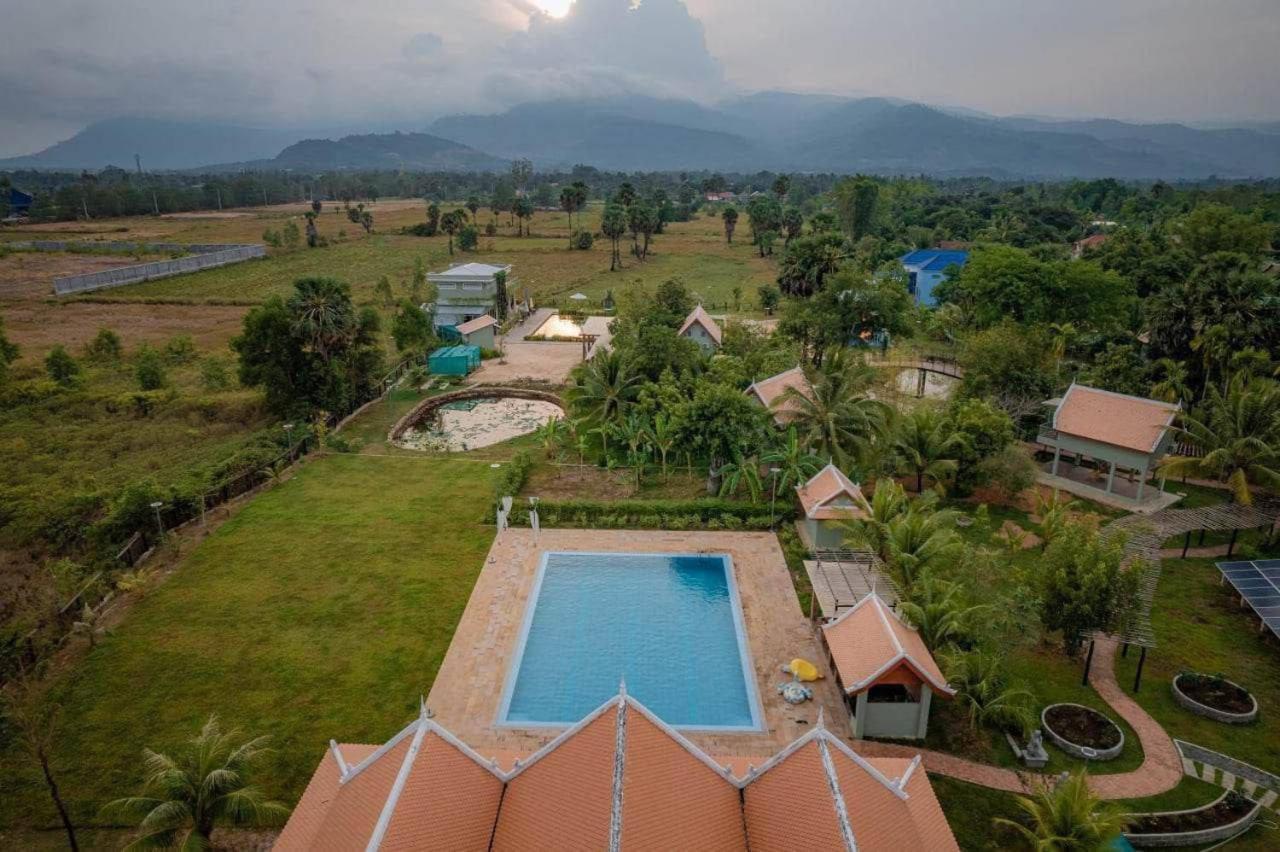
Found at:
<point>693,251</point>
<point>323,609</point>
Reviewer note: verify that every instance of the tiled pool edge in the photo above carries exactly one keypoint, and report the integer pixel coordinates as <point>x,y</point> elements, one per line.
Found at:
<point>747,662</point>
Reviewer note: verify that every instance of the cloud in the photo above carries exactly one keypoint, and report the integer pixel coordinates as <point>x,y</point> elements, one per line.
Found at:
<point>423,46</point>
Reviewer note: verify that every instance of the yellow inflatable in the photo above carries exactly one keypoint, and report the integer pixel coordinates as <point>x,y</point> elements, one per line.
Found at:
<point>803,669</point>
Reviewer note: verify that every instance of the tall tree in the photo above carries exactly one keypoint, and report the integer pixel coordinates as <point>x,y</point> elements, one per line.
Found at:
<point>730,217</point>
<point>925,446</point>
<point>836,417</point>
<point>603,390</point>
<point>613,224</point>
<point>856,199</point>
<point>765,214</point>
<point>33,719</point>
<point>781,186</point>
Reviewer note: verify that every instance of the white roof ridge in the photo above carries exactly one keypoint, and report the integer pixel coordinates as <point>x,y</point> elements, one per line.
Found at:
<point>837,795</point>
<point>393,797</point>
<point>381,750</point>
<point>901,653</point>
<point>779,756</point>
<point>560,738</point>
<point>681,740</point>
<point>851,610</point>
<point>619,771</point>
<point>866,765</point>
<point>888,628</point>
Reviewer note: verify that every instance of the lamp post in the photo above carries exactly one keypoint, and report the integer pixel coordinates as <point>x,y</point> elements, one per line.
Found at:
<point>773,495</point>
<point>155,507</point>
<point>288,434</point>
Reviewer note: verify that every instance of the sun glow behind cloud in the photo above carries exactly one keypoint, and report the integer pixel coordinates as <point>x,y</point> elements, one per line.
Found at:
<point>554,8</point>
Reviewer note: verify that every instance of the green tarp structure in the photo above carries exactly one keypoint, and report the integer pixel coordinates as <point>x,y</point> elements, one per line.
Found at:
<point>454,360</point>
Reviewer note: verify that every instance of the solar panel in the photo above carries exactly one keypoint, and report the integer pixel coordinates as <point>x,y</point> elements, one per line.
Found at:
<point>1258,584</point>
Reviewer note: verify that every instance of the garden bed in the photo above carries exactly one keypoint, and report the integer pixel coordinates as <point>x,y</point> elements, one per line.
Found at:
<point>1082,731</point>
<point>1215,697</point>
<point>1226,817</point>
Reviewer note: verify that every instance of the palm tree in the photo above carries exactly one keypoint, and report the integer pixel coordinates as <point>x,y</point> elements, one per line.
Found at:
<point>835,417</point>
<point>1054,513</point>
<point>742,472</point>
<point>1173,387</point>
<point>1062,333</point>
<point>662,435</point>
<point>633,431</point>
<point>551,434</point>
<point>1214,346</point>
<point>794,463</point>
<point>886,503</point>
<point>322,313</point>
<point>1067,817</point>
<point>938,613</point>
<point>605,389</point>
<point>1238,433</point>
<point>982,691</point>
<point>918,538</point>
<point>924,448</point>
<point>204,787</point>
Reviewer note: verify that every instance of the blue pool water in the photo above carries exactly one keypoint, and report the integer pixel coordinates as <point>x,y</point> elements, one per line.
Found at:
<point>670,625</point>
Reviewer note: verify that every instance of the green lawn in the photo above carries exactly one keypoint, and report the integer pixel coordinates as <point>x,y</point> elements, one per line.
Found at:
<point>322,610</point>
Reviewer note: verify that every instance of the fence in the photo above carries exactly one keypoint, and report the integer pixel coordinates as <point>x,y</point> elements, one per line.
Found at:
<point>205,257</point>
<point>29,651</point>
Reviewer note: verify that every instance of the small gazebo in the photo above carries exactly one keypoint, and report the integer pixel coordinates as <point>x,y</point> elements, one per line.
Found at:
<point>828,499</point>
<point>885,671</point>
<point>1129,433</point>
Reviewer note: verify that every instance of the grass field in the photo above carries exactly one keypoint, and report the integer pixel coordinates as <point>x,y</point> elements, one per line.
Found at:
<point>322,610</point>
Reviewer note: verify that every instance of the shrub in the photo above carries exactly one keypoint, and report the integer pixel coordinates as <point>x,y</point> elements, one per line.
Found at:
<point>582,240</point>
<point>490,229</point>
<point>707,513</point>
<point>512,476</point>
<point>214,373</point>
<point>271,238</point>
<point>180,349</point>
<point>105,346</point>
<point>150,369</point>
<point>468,238</point>
<point>61,367</point>
<point>1010,471</point>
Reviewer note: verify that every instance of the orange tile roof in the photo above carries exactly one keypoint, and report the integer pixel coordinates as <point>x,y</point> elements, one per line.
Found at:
<point>702,318</point>
<point>869,643</point>
<point>482,321</point>
<point>1113,418</point>
<point>828,485</point>
<point>620,778</point>
<point>770,392</point>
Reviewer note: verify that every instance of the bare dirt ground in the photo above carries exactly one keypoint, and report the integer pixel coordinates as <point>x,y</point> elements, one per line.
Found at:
<point>29,275</point>
<point>36,326</point>
<point>547,362</point>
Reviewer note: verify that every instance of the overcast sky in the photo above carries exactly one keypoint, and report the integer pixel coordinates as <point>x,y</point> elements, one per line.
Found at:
<point>384,63</point>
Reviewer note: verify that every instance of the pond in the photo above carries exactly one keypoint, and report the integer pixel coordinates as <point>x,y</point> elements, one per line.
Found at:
<point>473,423</point>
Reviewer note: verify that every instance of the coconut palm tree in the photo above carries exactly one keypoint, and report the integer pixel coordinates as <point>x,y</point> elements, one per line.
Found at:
<point>604,391</point>
<point>741,472</point>
<point>939,614</point>
<point>918,538</point>
<point>886,503</point>
<point>924,448</point>
<point>551,435</point>
<point>834,416</point>
<point>633,430</point>
<point>662,436</point>
<point>203,787</point>
<point>1238,434</point>
<point>1067,817</point>
<point>983,692</point>
<point>1054,513</point>
<point>794,463</point>
<point>1173,387</point>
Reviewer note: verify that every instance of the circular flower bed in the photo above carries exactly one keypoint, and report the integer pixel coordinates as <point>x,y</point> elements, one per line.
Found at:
<point>1215,697</point>
<point>1226,817</point>
<point>1082,731</point>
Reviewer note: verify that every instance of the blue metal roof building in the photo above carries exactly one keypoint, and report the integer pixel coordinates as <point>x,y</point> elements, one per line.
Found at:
<point>926,269</point>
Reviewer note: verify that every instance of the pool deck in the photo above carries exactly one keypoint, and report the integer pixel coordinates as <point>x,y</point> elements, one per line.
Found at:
<point>468,689</point>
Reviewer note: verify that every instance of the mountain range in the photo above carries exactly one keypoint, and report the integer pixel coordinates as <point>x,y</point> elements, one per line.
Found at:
<point>778,131</point>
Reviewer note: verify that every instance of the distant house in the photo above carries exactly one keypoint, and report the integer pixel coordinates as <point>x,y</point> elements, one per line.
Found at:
<point>885,671</point>
<point>1112,429</point>
<point>828,499</point>
<point>479,332</point>
<point>770,393</point>
<point>20,202</point>
<point>720,196</point>
<point>701,329</point>
<point>926,269</point>
<point>466,292</point>
<point>1092,241</point>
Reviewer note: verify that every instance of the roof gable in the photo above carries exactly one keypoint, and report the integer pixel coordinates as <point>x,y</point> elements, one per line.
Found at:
<point>698,316</point>
<point>482,321</point>
<point>1130,422</point>
<point>828,485</point>
<point>770,392</point>
<point>869,640</point>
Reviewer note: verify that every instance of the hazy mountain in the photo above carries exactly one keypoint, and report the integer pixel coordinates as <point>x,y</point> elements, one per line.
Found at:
<point>161,144</point>
<point>639,136</point>
<point>413,151</point>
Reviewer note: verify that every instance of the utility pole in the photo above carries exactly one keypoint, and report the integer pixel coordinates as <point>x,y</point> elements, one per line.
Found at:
<point>219,191</point>
<point>137,161</point>
<point>264,196</point>
<point>155,204</point>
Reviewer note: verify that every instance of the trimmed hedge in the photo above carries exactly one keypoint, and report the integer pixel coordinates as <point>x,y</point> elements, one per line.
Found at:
<point>706,514</point>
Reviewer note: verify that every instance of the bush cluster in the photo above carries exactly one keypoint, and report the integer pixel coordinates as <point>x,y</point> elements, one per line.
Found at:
<point>709,514</point>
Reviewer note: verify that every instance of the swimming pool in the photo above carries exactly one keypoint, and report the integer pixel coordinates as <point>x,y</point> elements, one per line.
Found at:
<point>670,624</point>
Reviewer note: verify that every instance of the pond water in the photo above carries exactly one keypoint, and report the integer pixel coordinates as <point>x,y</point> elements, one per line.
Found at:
<point>935,387</point>
<point>473,423</point>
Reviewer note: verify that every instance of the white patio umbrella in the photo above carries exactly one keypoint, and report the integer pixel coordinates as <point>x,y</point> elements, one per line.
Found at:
<point>579,297</point>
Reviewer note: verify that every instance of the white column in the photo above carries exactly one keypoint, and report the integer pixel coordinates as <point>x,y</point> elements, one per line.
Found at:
<point>922,724</point>
<point>1057,454</point>
<point>1111,475</point>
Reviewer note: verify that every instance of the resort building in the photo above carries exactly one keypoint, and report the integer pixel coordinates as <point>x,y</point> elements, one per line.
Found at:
<point>620,778</point>
<point>828,500</point>
<point>701,329</point>
<point>479,332</point>
<point>887,674</point>
<point>1113,430</point>
<point>770,393</point>
<point>927,268</point>
<point>466,292</point>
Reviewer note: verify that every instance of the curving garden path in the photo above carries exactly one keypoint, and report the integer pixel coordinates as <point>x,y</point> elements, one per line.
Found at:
<point>1161,769</point>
